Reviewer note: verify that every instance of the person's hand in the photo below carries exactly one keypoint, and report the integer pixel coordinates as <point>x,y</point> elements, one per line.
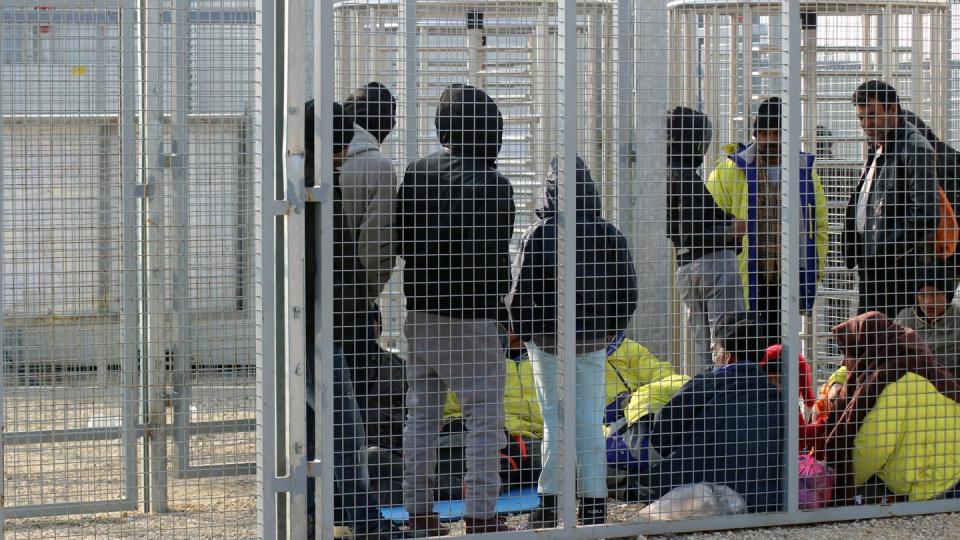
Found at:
<point>739,228</point>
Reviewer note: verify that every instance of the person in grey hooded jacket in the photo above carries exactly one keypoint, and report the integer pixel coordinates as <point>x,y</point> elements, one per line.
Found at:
<point>366,192</point>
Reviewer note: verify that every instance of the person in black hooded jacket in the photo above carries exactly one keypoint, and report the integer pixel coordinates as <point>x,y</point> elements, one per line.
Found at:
<point>453,221</point>
<point>606,297</point>
<point>705,237</point>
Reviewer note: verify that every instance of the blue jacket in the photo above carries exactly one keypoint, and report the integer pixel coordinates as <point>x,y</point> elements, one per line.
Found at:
<point>724,426</point>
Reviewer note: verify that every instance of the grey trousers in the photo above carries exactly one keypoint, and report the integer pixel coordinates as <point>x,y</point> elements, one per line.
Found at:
<point>464,356</point>
<point>711,288</point>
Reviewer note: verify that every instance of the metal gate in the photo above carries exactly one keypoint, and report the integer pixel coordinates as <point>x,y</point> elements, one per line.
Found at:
<point>129,180</point>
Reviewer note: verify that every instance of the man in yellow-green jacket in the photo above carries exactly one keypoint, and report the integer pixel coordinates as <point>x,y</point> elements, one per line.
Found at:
<point>747,184</point>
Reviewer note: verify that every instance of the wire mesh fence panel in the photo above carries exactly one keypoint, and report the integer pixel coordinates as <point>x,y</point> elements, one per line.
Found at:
<point>130,185</point>
<point>672,182</point>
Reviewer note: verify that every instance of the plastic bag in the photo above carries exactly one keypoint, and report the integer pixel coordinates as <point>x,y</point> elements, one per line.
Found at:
<point>816,483</point>
<point>693,501</point>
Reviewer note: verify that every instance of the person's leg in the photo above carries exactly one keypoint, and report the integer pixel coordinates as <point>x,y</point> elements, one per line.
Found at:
<point>691,292</point>
<point>351,478</point>
<point>591,443</point>
<point>722,291</point>
<point>476,371</point>
<point>425,397</point>
<point>546,373</point>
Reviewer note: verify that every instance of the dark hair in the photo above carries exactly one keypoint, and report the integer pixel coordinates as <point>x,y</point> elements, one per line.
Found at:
<point>876,90</point>
<point>373,108</point>
<point>768,115</point>
<point>940,278</point>
<point>342,128</point>
<point>749,338</point>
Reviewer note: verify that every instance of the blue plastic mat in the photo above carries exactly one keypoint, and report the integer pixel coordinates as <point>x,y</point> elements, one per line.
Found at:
<point>518,500</point>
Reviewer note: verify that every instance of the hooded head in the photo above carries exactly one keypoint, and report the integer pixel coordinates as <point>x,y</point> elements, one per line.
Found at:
<point>772,363</point>
<point>373,108</point>
<point>588,201</point>
<point>688,134</point>
<point>872,335</point>
<point>469,123</point>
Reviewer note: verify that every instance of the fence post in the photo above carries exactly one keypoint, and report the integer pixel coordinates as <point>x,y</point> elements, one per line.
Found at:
<point>790,236</point>
<point>3,337</point>
<point>129,242</point>
<point>181,338</point>
<point>268,302</point>
<point>567,56</point>
<point>155,303</point>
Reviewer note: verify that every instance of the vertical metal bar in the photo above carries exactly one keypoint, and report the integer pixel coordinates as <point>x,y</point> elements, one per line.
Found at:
<point>264,140</point>
<point>916,64</point>
<point>568,123</point>
<point>3,329</point>
<point>810,120</point>
<point>690,60</point>
<point>734,88</point>
<point>790,235</point>
<point>155,303</point>
<point>181,338</point>
<point>129,313</point>
<point>746,97</point>
<point>296,338</point>
<point>323,303</point>
<point>625,117</point>
<point>888,21</point>
<point>408,23</point>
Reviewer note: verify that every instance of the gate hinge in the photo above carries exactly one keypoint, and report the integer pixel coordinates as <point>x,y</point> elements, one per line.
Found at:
<point>313,468</point>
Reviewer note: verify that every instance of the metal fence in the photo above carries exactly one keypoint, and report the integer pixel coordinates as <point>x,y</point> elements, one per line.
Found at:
<point>129,180</point>
<point>160,242</point>
<point>596,80</point>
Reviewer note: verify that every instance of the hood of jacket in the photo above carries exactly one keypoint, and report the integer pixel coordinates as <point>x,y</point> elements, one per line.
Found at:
<point>872,335</point>
<point>688,134</point>
<point>588,200</point>
<point>363,141</point>
<point>469,123</point>
<point>373,108</point>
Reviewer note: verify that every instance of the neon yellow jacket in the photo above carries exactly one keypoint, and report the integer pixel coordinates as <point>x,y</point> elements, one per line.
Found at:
<point>630,363</point>
<point>728,185</point>
<point>911,440</point>
<point>650,398</point>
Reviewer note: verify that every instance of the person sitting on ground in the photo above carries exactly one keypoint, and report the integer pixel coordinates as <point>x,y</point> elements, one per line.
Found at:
<point>725,426</point>
<point>892,432</point>
<point>935,317</point>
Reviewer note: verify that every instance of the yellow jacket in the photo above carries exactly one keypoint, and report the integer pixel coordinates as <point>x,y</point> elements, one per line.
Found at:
<point>650,398</point>
<point>631,363</point>
<point>910,439</point>
<point>728,185</point>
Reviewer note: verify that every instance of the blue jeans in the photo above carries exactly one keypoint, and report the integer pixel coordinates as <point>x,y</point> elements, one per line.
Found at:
<point>353,504</point>
<point>591,458</point>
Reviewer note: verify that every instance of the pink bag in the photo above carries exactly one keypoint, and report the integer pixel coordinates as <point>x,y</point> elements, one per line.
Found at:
<point>816,483</point>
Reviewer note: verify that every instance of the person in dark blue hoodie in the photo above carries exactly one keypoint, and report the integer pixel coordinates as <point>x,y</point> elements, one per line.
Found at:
<point>606,297</point>
<point>725,426</point>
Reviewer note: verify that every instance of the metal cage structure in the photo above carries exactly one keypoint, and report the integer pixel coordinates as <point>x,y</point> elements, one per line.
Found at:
<point>727,56</point>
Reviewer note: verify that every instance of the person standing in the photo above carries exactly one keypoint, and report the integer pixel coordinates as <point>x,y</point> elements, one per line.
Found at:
<point>354,505</point>
<point>454,218</point>
<point>748,184</point>
<point>705,237</point>
<point>606,298</point>
<point>366,190</point>
<point>892,215</point>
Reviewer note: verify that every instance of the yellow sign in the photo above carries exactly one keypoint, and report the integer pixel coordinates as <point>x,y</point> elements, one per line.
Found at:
<point>78,71</point>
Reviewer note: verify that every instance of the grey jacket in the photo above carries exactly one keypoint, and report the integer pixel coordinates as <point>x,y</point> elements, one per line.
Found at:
<point>941,335</point>
<point>368,188</point>
<point>902,208</point>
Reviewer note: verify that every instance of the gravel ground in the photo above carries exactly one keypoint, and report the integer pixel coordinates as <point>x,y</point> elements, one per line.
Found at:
<point>944,526</point>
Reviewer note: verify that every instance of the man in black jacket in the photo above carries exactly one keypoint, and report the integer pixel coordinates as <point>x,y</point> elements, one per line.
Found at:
<point>454,218</point>
<point>892,215</point>
<point>706,238</point>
